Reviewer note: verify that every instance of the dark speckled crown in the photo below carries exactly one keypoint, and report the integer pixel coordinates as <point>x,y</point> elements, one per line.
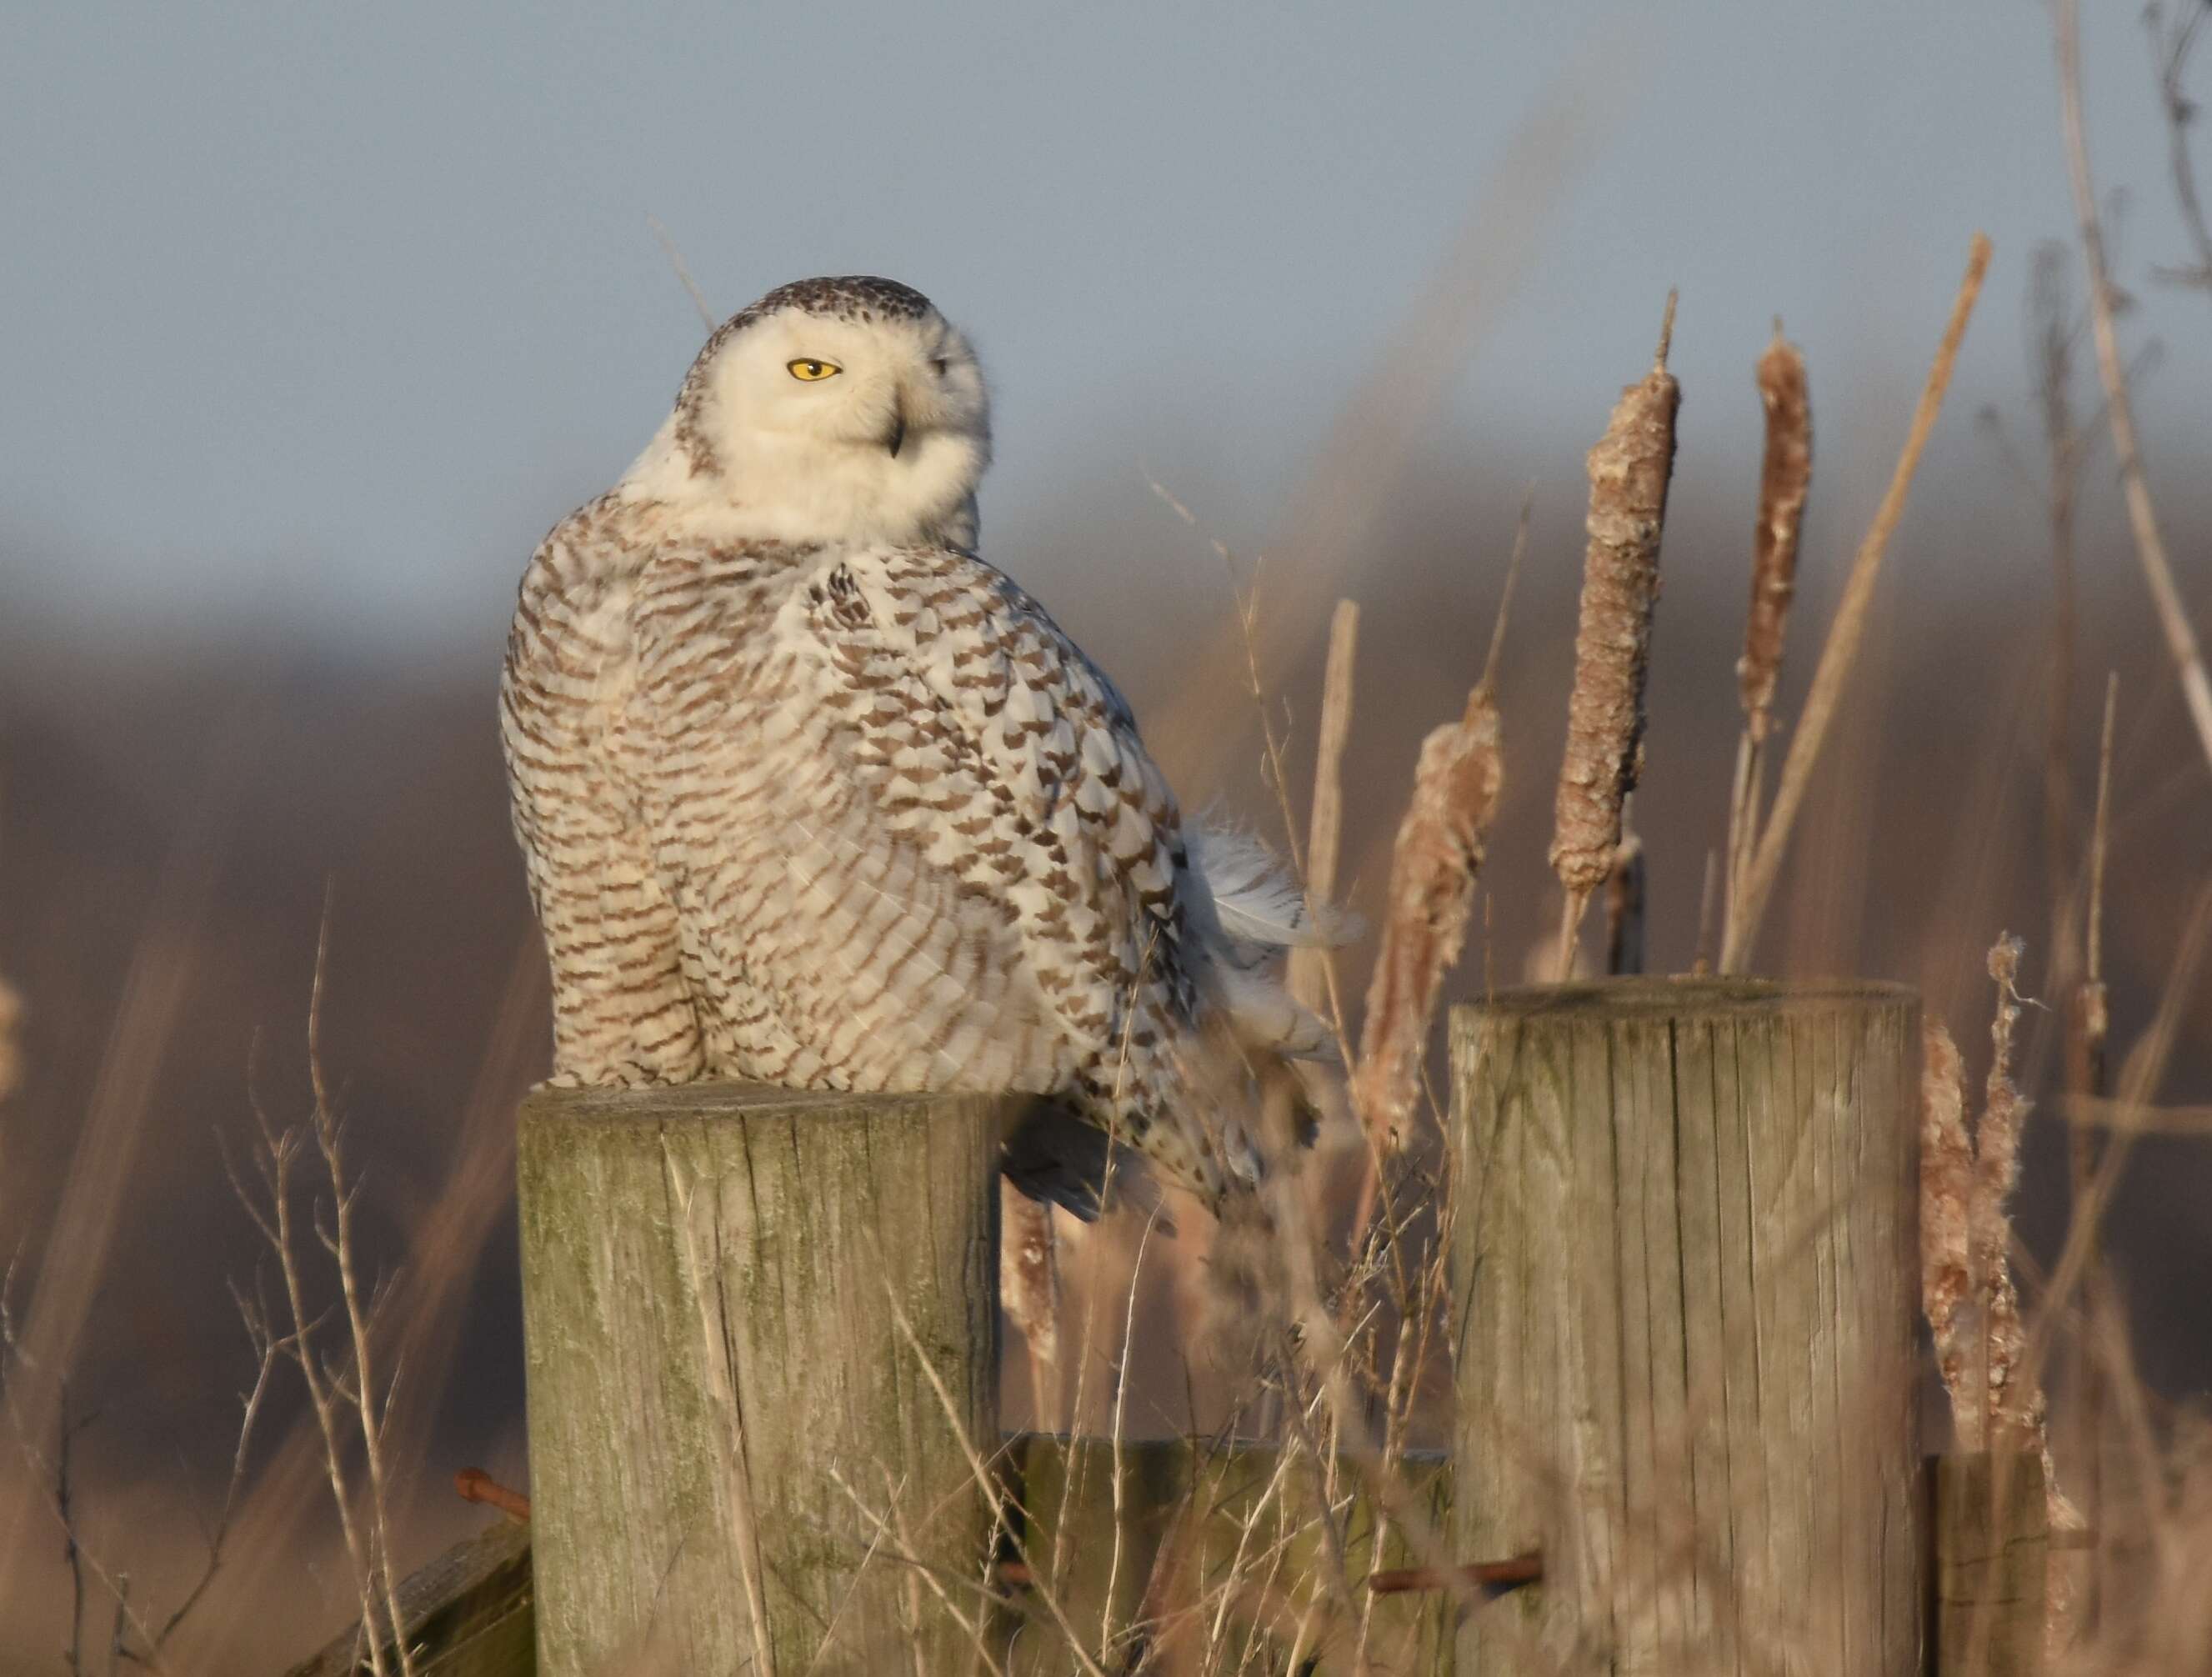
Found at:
<point>859,297</point>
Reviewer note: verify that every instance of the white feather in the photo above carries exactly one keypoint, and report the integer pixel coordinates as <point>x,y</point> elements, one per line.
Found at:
<point>1256,898</point>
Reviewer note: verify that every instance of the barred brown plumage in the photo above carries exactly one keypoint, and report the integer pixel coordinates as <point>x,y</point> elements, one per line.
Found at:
<point>811,795</point>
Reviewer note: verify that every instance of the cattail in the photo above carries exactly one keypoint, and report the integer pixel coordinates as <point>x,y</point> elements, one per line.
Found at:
<point>1753,882</point>
<point>2014,1410</point>
<point>1947,1193</point>
<point>1432,874</point>
<point>1629,470</point>
<point>1784,475</point>
<point>1966,1281</point>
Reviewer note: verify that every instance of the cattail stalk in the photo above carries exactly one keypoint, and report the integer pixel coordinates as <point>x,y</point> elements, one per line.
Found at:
<point>1629,472</point>
<point>1785,475</point>
<point>1840,651</point>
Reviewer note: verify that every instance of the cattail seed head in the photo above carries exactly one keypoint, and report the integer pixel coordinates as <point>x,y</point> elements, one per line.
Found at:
<point>1785,474</point>
<point>1629,470</point>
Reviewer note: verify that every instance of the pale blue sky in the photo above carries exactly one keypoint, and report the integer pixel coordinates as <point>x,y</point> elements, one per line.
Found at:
<point>326,312</point>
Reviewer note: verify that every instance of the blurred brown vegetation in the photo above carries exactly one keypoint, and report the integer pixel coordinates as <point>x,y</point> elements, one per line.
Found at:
<point>225,798</point>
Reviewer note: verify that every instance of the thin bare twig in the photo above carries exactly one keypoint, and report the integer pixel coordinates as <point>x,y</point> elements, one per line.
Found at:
<point>682,272</point>
<point>1313,969</point>
<point>2119,411</point>
<point>2170,49</point>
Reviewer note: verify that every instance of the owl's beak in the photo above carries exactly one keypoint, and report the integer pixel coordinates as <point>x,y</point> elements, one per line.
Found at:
<point>897,440</point>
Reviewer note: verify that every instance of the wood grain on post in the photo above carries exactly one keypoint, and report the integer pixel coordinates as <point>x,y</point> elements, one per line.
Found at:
<point>1992,1566</point>
<point>1684,1261</point>
<point>738,1463</point>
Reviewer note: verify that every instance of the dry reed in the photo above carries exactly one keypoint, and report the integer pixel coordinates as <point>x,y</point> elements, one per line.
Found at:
<point>1313,969</point>
<point>11,1053</point>
<point>2119,411</point>
<point>1785,477</point>
<point>2169,48</point>
<point>1840,651</point>
<point>2088,1023</point>
<point>1624,907</point>
<point>1629,473</point>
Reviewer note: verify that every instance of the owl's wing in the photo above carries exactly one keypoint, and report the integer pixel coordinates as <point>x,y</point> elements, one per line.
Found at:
<point>980,728</point>
<point>621,1010</point>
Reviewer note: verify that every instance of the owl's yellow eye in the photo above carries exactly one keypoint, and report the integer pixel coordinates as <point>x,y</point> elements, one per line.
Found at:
<point>807,368</point>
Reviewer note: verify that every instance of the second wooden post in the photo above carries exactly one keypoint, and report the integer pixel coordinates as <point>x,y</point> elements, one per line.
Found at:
<point>1685,1259</point>
<point>761,1338</point>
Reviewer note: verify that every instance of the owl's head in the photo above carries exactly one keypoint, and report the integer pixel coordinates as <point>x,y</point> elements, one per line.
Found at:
<point>832,410</point>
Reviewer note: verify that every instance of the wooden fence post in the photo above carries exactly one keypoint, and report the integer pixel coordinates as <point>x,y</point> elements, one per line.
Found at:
<point>1992,1566</point>
<point>738,1460</point>
<point>1685,1270</point>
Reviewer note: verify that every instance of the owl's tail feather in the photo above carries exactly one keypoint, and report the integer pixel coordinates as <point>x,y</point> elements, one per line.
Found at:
<point>1257,898</point>
<point>1260,910</point>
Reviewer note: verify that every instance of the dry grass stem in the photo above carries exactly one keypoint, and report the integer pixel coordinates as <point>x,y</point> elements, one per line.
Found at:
<point>11,1052</point>
<point>1709,897</point>
<point>1785,477</point>
<point>1624,908</point>
<point>2088,1027</point>
<point>1629,472</point>
<point>1312,970</point>
<point>1431,897</point>
<point>683,271</point>
<point>2101,835</point>
<point>2119,410</point>
<point>2055,325</point>
<point>2169,48</point>
<point>1840,651</point>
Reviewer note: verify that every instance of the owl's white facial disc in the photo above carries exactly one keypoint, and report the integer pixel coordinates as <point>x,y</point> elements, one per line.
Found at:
<point>833,410</point>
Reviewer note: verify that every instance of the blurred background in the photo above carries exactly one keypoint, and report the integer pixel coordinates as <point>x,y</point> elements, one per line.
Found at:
<point>316,320</point>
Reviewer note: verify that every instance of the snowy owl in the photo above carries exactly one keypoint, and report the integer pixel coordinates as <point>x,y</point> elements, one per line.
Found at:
<point>810,795</point>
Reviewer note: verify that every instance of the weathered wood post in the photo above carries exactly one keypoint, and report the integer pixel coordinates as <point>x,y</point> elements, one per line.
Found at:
<point>1992,1566</point>
<point>1684,1262</point>
<point>738,1460</point>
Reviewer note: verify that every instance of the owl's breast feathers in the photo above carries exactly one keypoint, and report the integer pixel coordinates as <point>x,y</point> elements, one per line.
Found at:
<point>865,810</point>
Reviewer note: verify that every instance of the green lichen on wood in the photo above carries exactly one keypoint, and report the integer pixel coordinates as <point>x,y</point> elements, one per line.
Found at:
<point>1684,1257</point>
<point>720,1388</point>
